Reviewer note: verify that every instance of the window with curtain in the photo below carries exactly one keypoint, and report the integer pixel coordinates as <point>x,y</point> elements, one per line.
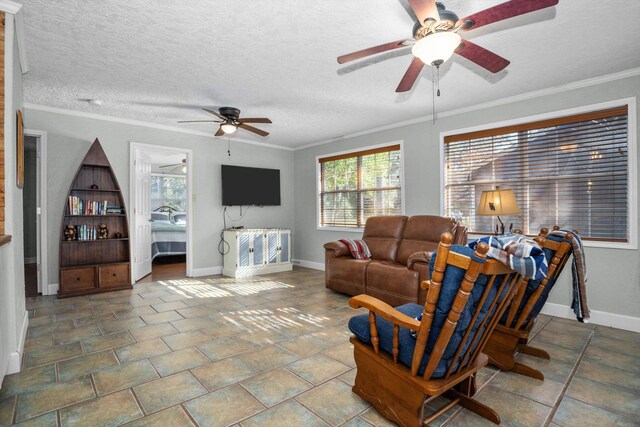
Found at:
<point>354,186</point>
<point>169,191</point>
<point>570,171</point>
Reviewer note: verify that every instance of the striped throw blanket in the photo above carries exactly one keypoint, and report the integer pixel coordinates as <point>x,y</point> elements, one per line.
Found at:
<point>358,248</point>
<point>579,273</point>
<point>517,252</point>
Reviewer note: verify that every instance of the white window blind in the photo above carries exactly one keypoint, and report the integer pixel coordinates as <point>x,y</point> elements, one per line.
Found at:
<point>354,186</point>
<point>570,171</point>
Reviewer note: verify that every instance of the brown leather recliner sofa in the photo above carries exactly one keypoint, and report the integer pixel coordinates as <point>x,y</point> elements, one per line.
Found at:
<point>401,249</point>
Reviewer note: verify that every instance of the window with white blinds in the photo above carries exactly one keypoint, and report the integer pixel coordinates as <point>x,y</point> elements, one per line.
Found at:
<point>354,186</point>
<point>570,171</point>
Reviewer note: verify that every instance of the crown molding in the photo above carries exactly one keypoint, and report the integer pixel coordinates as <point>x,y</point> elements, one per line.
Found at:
<point>10,6</point>
<point>15,9</point>
<point>81,114</point>
<point>499,102</point>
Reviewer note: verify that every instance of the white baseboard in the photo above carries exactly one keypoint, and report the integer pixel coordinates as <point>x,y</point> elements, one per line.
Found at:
<point>308,264</point>
<point>15,358</point>
<point>603,318</point>
<point>52,288</point>
<point>30,260</point>
<point>208,271</point>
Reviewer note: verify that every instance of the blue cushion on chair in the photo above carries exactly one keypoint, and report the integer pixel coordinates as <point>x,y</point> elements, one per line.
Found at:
<point>453,276</point>
<point>532,285</point>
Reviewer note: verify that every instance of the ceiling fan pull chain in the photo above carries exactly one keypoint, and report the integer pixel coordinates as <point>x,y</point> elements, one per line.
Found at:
<point>433,100</point>
<point>228,146</point>
<point>438,78</point>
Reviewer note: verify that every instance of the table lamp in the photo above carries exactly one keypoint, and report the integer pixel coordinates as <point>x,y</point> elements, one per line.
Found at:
<point>498,202</point>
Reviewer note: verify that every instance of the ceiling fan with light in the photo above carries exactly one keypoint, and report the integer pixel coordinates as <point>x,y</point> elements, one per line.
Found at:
<point>176,167</point>
<point>230,121</point>
<point>436,38</point>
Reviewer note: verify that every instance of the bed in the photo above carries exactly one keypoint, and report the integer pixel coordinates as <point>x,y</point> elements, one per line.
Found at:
<point>168,234</point>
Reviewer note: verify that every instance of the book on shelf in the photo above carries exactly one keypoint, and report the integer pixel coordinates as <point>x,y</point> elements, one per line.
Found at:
<point>85,232</point>
<point>78,206</point>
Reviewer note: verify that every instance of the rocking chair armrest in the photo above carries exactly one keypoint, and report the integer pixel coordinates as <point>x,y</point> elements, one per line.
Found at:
<point>385,311</point>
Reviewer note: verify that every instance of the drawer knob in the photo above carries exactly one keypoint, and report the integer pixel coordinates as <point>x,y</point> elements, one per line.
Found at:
<point>114,274</point>
<point>77,278</point>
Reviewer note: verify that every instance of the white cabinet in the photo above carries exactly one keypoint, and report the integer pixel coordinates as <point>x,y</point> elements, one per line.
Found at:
<point>257,251</point>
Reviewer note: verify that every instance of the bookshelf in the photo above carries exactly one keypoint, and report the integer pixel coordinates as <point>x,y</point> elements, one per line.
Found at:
<point>88,263</point>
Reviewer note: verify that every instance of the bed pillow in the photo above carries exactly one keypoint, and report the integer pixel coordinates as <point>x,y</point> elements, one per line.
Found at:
<point>179,218</point>
<point>160,217</point>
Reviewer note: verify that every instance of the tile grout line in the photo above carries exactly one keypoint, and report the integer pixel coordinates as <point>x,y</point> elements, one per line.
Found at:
<point>567,383</point>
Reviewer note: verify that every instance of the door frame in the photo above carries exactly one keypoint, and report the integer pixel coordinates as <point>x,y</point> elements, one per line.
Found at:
<point>41,227</point>
<point>150,148</point>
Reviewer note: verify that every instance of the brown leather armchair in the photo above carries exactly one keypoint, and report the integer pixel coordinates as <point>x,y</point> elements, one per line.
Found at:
<point>401,249</point>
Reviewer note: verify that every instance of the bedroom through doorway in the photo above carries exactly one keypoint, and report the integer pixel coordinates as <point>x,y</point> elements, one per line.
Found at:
<point>161,197</point>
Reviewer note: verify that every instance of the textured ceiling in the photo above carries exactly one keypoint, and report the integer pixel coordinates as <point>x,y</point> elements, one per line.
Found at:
<point>160,61</point>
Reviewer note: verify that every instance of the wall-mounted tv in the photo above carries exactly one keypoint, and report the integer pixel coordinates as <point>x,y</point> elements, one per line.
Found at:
<point>244,186</point>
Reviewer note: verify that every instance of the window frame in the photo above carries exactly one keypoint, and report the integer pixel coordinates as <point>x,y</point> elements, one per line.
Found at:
<point>319,226</point>
<point>632,143</point>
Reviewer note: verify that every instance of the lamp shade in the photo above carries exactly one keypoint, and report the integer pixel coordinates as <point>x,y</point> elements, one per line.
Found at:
<point>498,202</point>
<point>436,48</point>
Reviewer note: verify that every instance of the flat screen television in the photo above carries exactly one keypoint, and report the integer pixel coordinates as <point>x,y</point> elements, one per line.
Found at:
<point>244,186</point>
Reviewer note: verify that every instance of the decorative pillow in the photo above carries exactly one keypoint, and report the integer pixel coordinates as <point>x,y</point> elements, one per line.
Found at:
<point>358,248</point>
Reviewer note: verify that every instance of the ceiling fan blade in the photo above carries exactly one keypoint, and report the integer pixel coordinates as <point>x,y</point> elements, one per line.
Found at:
<point>219,133</point>
<point>215,113</point>
<point>371,51</point>
<point>506,10</point>
<point>425,10</point>
<point>481,56</point>
<point>199,121</point>
<point>411,75</point>
<point>254,130</point>
<point>254,120</point>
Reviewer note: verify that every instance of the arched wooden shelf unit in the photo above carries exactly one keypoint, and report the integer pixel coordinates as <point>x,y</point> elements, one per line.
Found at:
<point>89,264</point>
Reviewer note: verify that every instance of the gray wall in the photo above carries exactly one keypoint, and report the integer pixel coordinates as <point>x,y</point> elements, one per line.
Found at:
<point>12,299</point>
<point>611,289</point>
<point>70,137</point>
<point>29,198</point>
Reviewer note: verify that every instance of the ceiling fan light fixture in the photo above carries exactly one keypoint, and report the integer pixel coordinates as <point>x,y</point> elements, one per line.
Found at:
<point>228,128</point>
<point>436,48</point>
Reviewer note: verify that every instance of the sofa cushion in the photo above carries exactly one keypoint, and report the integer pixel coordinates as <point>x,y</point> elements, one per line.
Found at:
<point>382,234</point>
<point>422,233</point>
<point>392,283</point>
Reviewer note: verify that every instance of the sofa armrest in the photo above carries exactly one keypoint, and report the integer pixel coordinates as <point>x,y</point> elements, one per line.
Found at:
<point>339,249</point>
<point>422,257</point>
<point>459,234</point>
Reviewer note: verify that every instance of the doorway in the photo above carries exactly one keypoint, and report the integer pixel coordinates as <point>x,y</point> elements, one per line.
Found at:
<point>162,215</point>
<point>34,201</point>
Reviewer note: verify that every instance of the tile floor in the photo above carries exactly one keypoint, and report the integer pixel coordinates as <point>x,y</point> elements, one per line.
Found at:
<point>273,351</point>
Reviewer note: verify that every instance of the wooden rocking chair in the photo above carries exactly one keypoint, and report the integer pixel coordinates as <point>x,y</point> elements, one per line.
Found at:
<point>511,335</point>
<point>467,295</point>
